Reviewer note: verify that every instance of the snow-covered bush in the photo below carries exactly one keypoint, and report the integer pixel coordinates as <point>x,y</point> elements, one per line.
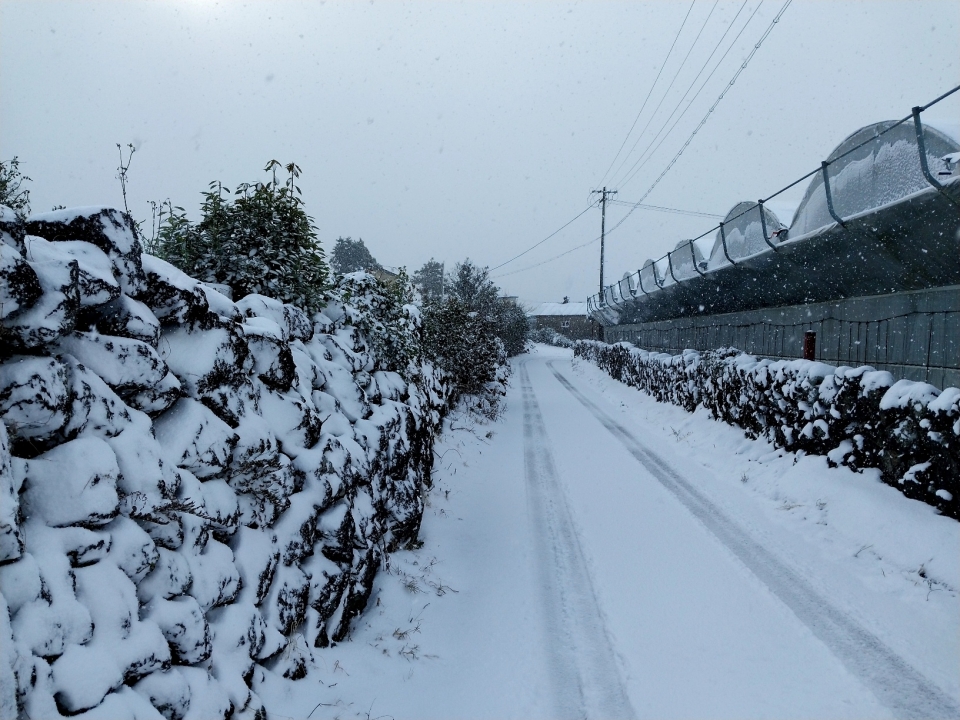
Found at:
<point>549,336</point>
<point>12,193</point>
<point>194,490</point>
<point>857,417</point>
<point>469,332</point>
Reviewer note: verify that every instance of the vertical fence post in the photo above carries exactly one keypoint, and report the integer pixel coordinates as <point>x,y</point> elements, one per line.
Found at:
<point>670,267</point>
<point>826,189</point>
<point>640,281</point>
<point>693,256</point>
<point>763,227</point>
<point>723,241</point>
<point>924,166</point>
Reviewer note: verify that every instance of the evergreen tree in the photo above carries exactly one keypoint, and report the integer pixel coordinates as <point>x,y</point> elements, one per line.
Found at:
<point>350,255</point>
<point>472,286</point>
<point>429,279</point>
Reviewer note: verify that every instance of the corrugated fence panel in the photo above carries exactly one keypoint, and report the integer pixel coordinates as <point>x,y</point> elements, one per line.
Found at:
<point>913,335</point>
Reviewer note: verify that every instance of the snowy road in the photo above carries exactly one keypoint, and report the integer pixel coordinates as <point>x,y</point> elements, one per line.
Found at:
<point>890,678</point>
<point>609,556</point>
<point>583,667</point>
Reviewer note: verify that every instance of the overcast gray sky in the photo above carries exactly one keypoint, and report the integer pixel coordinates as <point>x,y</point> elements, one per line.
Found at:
<point>448,130</point>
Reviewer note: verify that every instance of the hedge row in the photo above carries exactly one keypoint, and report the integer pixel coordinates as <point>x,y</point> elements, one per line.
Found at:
<point>858,417</point>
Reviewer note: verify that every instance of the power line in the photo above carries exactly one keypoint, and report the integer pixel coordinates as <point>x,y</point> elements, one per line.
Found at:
<point>549,260</point>
<point>722,94</point>
<point>706,117</point>
<point>661,208</point>
<point>597,238</point>
<point>536,245</point>
<point>641,206</point>
<point>649,92</point>
<point>669,87</point>
<point>631,173</point>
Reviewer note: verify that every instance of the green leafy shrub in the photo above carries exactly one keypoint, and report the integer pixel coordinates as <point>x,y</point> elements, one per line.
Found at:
<point>260,241</point>
<point>12,192</point>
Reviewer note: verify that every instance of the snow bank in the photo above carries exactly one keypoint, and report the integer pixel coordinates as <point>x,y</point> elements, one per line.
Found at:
<point>857,417</point>
<point>191,487</point>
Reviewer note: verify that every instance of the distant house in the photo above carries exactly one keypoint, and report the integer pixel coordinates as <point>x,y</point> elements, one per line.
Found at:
<point>384,275</point>
<point>567,318</point>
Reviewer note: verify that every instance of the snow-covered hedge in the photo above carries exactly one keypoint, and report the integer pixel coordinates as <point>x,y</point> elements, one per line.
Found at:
<point>857,417</point>
<point>192,488</point>
<point>549,336</point>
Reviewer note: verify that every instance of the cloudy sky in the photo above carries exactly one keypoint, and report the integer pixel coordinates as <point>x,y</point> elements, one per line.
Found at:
<point>463,129</point>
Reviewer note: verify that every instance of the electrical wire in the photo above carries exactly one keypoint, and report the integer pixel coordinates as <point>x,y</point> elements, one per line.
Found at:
<point>634,169</point>
<point>669,87</point>
<point>536,245</point>
<point>706,117</point>
<point>548,260</point>
<point>661,208</point>
<point>596,239</point>
<point>649,92</point>
<point>639,204</point>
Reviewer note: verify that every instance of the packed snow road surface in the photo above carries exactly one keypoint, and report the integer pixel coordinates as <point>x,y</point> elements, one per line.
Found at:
<point>600,555</point>
<point>888,676</point>
<point>583,666</point>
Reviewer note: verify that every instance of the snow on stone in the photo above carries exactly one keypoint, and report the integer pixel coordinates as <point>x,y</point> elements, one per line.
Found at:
<point>97,284</point>
<point>12,228</point>
<point>110,230</point>
<point>8,657</point>
<point>129,318</point>
<point>171,294</point>
<point>856,417</point>
<point>53,313</point>
<point>196,490</point>
<point>11,540</point>
<point>131,367</point>
<point>194,438</point>
<point>87,495</point>
<point>19,285</point>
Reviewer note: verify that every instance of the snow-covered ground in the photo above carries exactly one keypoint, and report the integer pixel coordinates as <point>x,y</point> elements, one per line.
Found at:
<point>599,554</point>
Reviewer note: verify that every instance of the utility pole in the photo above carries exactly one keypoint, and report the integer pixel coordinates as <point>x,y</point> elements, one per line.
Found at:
<point>603,227</point>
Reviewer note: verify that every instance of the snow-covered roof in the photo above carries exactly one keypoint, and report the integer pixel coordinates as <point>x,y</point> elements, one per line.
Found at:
<point>555,308</point>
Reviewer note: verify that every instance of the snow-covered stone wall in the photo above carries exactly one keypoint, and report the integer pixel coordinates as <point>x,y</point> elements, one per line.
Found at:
<point>857,417</point>
<point>192,488</point>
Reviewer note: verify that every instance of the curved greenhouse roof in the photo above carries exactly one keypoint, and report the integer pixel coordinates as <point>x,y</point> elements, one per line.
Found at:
<point>880,172</point>
<point>744,230</point>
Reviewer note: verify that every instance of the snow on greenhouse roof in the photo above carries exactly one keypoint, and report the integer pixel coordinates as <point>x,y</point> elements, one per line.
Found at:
<point>555,308</point>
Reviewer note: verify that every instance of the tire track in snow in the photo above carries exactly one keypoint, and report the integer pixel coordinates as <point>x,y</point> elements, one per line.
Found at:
<point>582,662</point>
<point>891,678</point>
